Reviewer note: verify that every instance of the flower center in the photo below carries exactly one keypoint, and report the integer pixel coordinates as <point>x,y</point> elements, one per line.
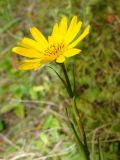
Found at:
<point>54,51</point>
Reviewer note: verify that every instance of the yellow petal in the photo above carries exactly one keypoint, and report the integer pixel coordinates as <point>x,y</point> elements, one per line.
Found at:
<point>26,52</point>
<point>60,59</point>
<point>71,52</point>
<point>71,28</point>
<point>74,33</point>
<point>29,66</point>
<point>32,60</point>
<point>38,36</point>
<point>62,27</point>
<point>23,44</point>
<point>50,39</point>
<point>81,37</point>
<point>55,30</point>
<point>55,33</point>
<point>30,43</point>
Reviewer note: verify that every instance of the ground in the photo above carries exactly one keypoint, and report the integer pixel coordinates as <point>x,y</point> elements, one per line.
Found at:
<point>33,122</point>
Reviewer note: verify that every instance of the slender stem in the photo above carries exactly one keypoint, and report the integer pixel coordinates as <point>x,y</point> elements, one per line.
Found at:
<point>100,151</point>
<point>75,109</point>
<point>81,128</point>
<point>74,80</point>
<point>81,148</point>
<point>76,117</point>
<point>67,81</point>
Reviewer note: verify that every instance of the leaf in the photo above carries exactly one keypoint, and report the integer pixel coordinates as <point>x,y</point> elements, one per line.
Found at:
<point>51,122</point>
<point>91,94</point>
<point>20,111</point>
<point>44,138</point>
<point>1,125</point>
<point>7,108</point>
<point>10,150</point>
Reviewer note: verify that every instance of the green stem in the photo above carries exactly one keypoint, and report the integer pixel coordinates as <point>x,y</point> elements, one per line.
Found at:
<point>81,148</point>
<point>99,150</point>
<point>81,128</point>
<point>70,92</point>
<point>84,153</point>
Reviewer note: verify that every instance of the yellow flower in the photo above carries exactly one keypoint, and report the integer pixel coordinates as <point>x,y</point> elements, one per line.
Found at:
<point>60,44</point>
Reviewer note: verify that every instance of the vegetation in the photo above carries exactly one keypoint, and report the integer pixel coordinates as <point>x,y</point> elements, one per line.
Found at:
<point>33,124</point>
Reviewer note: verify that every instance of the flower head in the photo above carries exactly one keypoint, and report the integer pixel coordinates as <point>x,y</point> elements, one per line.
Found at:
<point>59,45</point>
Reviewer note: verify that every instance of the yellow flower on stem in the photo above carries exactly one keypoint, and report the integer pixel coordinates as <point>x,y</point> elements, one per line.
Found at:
<point>60,44</point>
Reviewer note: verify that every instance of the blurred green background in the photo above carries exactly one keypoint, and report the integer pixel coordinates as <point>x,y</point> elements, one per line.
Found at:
<point>33,124</point>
